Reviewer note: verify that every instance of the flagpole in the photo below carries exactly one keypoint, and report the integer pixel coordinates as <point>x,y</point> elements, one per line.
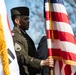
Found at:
<point>49,31</point>
<point>51,25</point>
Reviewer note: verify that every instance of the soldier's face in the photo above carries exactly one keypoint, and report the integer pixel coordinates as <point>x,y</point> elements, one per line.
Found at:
<point>24,21</point>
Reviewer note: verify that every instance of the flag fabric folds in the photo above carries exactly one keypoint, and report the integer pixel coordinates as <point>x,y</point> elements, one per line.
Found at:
<point>63,48</point>
<point>8,60</point>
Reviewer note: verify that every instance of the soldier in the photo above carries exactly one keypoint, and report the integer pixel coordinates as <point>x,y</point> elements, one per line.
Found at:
<point>24,46</point>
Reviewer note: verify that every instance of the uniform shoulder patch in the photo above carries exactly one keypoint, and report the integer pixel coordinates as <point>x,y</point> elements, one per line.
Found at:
<point>17,47</point>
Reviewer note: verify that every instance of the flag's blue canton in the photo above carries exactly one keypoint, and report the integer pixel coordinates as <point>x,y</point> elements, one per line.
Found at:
<point>45,1</point>
<point>54,1</point>
<point>57,1</point>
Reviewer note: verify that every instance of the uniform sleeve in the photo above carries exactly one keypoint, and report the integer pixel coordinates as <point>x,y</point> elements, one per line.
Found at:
<point>21,49</point>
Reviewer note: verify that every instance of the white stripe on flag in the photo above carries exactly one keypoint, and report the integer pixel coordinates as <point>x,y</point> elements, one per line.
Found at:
<point>63,45</point>
<point>61,26</point>
<point>47,6</point>
<point>58,8</point>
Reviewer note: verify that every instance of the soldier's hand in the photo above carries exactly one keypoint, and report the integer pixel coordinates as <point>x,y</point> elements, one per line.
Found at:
<point>48,62</point>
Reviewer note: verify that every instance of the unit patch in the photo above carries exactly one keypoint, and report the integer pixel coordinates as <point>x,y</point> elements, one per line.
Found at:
<point>17,47</point>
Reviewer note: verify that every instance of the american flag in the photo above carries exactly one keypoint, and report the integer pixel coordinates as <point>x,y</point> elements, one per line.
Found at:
<point>60,38</point>
<point>8,60</point>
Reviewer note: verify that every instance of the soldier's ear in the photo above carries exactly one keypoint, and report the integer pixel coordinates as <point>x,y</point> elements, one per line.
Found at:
<point>17,21</point>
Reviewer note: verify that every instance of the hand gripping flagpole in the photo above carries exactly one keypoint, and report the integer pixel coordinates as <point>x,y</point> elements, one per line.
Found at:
<point>49,31</point>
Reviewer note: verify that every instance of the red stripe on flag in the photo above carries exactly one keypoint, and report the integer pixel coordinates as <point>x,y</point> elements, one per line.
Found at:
<point>48,34</point>
<point>67,69</point>
<point>49,52</point>
<point>59,53</point>
<point>60,17</point>
<point>47,15</point>
<point>56,16</point>
<point>61,35</point>
<point>52,51</point>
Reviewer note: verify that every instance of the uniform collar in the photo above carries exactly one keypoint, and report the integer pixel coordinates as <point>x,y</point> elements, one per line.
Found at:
<point>24,32</point>
<point>19,30</point>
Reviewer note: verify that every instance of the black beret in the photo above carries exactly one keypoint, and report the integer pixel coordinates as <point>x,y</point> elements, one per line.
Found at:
<point>20,11</point>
